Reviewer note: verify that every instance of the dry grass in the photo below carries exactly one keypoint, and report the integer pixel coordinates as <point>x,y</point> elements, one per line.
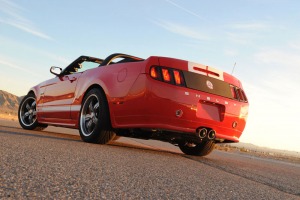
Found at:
<point>224,147</point>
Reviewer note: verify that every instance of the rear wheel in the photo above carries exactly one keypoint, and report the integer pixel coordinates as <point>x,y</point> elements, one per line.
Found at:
<point>202,149</point>
<point>27,114</point>
<point>94,121</point>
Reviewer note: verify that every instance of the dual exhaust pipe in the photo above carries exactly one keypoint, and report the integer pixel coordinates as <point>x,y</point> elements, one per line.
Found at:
<point>206,133</point>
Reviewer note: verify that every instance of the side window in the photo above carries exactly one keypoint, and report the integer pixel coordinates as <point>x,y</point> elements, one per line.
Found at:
<point>86,65</point>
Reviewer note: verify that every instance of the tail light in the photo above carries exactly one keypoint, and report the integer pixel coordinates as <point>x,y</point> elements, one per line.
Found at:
<point>154,73</point>
<point>242,95</point>
<point>238,94</point>
<point>233,92</point>
<point>178,78</point>
<point>245,97</point>
<point>168,75</point>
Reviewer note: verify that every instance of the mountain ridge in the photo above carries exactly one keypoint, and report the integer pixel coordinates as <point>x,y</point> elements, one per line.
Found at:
<point>9,103</point>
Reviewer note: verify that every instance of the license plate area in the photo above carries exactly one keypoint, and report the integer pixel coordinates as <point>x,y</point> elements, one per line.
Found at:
<point>211,111</point>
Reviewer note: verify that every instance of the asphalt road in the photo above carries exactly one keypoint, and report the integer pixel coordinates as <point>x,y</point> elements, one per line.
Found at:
<point>56,164</point>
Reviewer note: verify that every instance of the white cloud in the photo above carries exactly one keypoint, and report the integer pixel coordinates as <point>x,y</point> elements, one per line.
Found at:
<point>57,58</point>
<point>230,52</point>
<point>247,33</point>
<point>184,9</point>
<point>182,30</point>
<point>295,45</point>
<point>29,49</point>
<point>7,63</point>
<point>27,27</point>
<point>14,19</point>
<point>282,74</point>
<point>10,8</point>
<point>242,39</point>
<point>277,57</point>
<point>254,26</point>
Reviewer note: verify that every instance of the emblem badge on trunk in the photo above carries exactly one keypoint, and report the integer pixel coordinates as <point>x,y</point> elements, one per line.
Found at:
<point>209,85</point>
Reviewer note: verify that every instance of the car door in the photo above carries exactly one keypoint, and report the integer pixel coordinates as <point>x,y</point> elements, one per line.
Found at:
<point>58,96</point>
<point>59,93</point>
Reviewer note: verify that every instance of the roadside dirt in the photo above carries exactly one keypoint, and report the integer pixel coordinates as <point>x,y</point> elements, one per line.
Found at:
<point>8,117</point>
<point>268,153</point>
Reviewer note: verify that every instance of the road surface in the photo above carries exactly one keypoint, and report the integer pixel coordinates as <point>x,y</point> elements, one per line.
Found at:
<point>56,164</point>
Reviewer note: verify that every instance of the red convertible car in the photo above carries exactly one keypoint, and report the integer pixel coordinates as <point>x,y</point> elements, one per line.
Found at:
<point>187,104</point>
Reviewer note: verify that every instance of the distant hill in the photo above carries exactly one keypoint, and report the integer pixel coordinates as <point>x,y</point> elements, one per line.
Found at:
<point>9,103</point>
<point>269,151</point>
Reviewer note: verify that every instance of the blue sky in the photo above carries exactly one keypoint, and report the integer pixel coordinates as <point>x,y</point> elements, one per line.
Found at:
<point>261,36</point>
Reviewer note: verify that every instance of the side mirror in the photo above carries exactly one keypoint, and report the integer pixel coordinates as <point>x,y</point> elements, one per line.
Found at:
<point>55,70</point>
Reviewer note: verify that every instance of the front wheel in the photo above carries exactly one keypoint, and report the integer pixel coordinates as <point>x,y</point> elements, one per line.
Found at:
<point>202,149</point>
<point>27,114</point>
<point>94,121</point>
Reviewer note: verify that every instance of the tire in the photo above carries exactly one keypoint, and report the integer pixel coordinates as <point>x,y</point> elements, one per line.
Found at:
<point>27,114</point>
<point>201,149</point>
<point>94,120</point>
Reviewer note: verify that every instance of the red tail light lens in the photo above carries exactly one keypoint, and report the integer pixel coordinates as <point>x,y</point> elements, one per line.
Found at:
<point>153,72</point>
<point>166,75</point>
<point>177,77</point>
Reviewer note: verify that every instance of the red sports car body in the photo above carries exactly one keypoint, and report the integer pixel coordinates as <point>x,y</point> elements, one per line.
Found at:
<point>185,103</point>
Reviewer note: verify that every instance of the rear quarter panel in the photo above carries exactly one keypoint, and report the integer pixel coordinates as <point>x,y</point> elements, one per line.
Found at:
<point>116,81</point>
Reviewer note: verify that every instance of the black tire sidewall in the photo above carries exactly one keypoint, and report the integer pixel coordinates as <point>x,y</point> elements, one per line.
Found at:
<point>201,149</point>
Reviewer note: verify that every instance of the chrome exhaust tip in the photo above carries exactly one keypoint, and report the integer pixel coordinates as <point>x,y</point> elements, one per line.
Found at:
<point>201,133</point>
<point>211,135</point>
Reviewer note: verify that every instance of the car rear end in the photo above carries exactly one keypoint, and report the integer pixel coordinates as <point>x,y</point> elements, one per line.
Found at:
<point>195,99</point>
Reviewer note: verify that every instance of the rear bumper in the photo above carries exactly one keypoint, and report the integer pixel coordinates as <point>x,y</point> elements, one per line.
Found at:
<point>157,105</point>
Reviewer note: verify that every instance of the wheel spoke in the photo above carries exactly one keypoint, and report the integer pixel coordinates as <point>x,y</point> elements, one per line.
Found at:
<point>27,106</point>
<point>96,106</point>
<point>26,114</point>
<point>91,108</point>
<point>34,113</point>
<point>89,125</point>
<point>30,118</point>
<point>33,105</point>
<point>88,121</point>
<point>87,117</point>
<point>95,120</point>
